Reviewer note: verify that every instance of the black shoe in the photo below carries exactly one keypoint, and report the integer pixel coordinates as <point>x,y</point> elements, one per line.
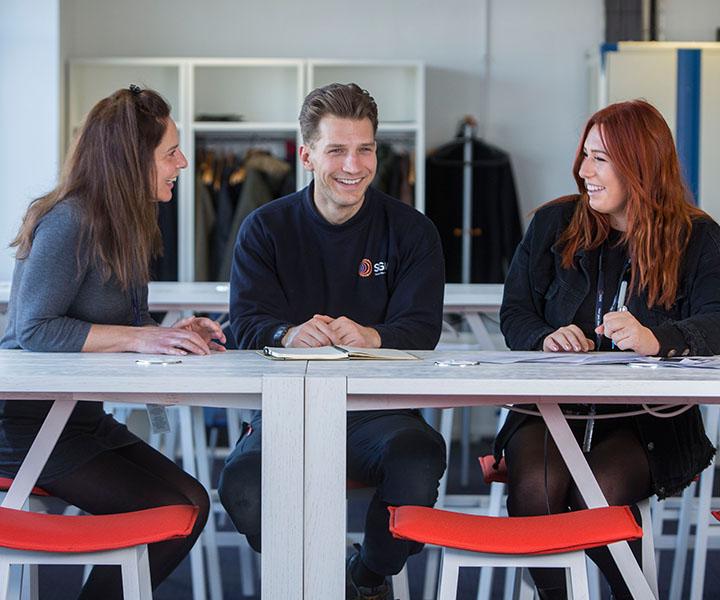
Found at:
<point>359,592</point>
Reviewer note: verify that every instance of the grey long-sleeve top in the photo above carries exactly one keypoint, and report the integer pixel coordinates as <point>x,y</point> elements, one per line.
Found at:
<point>54,300</point>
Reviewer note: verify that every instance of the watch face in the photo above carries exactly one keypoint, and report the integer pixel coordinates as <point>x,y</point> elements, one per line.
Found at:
<point>279,335</point>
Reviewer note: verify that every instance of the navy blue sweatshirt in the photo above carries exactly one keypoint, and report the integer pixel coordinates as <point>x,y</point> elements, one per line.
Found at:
<point>383,268</point>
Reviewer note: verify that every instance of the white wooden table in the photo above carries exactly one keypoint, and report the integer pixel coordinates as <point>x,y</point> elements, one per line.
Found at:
<point>233,379</point>
<point>332,388</point>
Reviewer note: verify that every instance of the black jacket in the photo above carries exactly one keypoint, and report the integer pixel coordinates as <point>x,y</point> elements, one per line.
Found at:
<point>495,217</point>
<point>541,296</point>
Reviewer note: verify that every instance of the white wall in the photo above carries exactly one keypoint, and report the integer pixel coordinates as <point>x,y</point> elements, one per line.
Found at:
<point>29,111</point>
<point>539,89</point>
<point>688,20</point>
<point>534,101</point>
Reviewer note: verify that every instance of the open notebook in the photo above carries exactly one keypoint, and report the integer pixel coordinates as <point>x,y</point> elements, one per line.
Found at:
<point>336,353</point>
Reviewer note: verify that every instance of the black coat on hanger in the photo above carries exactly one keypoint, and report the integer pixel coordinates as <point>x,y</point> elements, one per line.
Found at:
<point>496,228</point>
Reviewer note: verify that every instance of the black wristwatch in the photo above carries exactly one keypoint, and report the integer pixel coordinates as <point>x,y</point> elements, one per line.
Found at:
<point>279,334</point>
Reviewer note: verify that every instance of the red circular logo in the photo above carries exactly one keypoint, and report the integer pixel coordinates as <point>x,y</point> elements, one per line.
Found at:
<point>365,269</point>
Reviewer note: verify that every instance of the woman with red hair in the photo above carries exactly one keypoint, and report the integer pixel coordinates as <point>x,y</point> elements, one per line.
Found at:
<point>628,263</point>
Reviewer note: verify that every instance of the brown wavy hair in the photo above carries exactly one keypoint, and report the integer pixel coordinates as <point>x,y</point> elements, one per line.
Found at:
<point>110,173</point>
<point>660,212</point>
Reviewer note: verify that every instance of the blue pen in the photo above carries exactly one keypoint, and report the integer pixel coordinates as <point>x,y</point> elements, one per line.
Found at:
<point>622,292</point>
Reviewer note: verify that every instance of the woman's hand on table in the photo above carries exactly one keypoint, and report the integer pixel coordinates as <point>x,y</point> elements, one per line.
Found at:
<point>567,339</point>
<point>207,329</point>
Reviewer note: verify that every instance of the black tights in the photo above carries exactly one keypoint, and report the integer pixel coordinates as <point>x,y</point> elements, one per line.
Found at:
<point>132,478</point>
<point>619,464</point>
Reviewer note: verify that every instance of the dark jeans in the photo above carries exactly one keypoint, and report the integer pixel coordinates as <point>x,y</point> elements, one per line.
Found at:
<point>395,451</point>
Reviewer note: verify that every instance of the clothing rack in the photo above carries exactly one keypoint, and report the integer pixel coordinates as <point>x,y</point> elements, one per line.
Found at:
<point>238,142</point>
<point>469,126</point>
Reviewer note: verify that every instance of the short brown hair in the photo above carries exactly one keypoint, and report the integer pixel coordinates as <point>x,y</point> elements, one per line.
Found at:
<point>344,100</point>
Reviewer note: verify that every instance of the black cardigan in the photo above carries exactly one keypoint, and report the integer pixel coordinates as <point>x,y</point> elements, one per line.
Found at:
<point>541,296</point>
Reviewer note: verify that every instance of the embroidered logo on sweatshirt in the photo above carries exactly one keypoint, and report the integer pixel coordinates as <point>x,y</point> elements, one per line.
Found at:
<point>367,268</point>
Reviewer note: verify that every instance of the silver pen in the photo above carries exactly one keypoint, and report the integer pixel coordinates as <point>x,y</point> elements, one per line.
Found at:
<point>622,292</point>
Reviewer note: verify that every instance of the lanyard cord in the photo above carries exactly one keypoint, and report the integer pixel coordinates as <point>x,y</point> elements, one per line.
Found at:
<point>599,299</point>
<point>599,308</point>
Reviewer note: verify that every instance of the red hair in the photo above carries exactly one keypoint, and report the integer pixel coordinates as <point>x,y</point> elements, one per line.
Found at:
<point>640,147</point>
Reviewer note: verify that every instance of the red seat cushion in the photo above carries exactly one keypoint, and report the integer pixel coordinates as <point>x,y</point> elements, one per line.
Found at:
<point>6,482</point>
<point>22,530</point>
<point>547,534</point>
<point>490,473</point>
<point>716,514</point>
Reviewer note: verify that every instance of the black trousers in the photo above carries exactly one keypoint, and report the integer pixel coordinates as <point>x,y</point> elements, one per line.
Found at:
<point>131,478</point>
<point>397,452</point>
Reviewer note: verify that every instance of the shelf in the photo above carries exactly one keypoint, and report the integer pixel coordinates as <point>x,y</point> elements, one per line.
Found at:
<point>395,85</point>
<point>257,93</point>
<point>243,126</point>
<point>94,80</point>
<point>397,127</point>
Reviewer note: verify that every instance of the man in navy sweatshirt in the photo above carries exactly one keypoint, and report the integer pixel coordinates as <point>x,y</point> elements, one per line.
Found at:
<point>342,263</point>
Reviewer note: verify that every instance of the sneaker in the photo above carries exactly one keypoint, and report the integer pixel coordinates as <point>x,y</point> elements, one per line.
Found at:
<point>359,592</point>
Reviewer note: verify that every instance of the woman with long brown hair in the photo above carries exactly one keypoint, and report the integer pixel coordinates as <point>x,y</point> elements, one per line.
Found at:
<point>628,263</point>
<point>80,285</point>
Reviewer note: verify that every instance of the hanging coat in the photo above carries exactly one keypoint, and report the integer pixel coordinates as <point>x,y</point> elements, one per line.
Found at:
<point>496,228</point>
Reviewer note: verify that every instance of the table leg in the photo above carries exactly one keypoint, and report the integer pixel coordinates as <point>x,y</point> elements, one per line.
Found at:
<point>479,330</point>
<point>282,488</point>
<point>592,494</point>
<point>325,486</point>
<point>39,452</point>
<point>197,563</point>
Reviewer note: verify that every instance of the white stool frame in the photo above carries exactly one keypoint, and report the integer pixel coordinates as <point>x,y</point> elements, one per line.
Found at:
<point>133,562</point>
<point>573,562</point>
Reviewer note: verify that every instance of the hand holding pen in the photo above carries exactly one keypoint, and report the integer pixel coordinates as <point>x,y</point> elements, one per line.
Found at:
<point>620,304</point>
<point>625,331</point>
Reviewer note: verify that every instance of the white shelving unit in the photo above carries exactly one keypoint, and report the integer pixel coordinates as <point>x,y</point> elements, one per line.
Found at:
<point>265,96</point>
<point>262,93</point>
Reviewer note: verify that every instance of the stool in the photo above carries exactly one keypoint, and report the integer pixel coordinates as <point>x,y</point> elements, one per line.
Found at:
<point>38,501</point>
<point>466,502</point>
<point>703,528</point>
<point>496,478</point>
<point>118,539</point>
<point>189,423</point>
<point>500,475</point>
<point>400,581</point>
<point>544,541</point>
<point>25,583</point>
